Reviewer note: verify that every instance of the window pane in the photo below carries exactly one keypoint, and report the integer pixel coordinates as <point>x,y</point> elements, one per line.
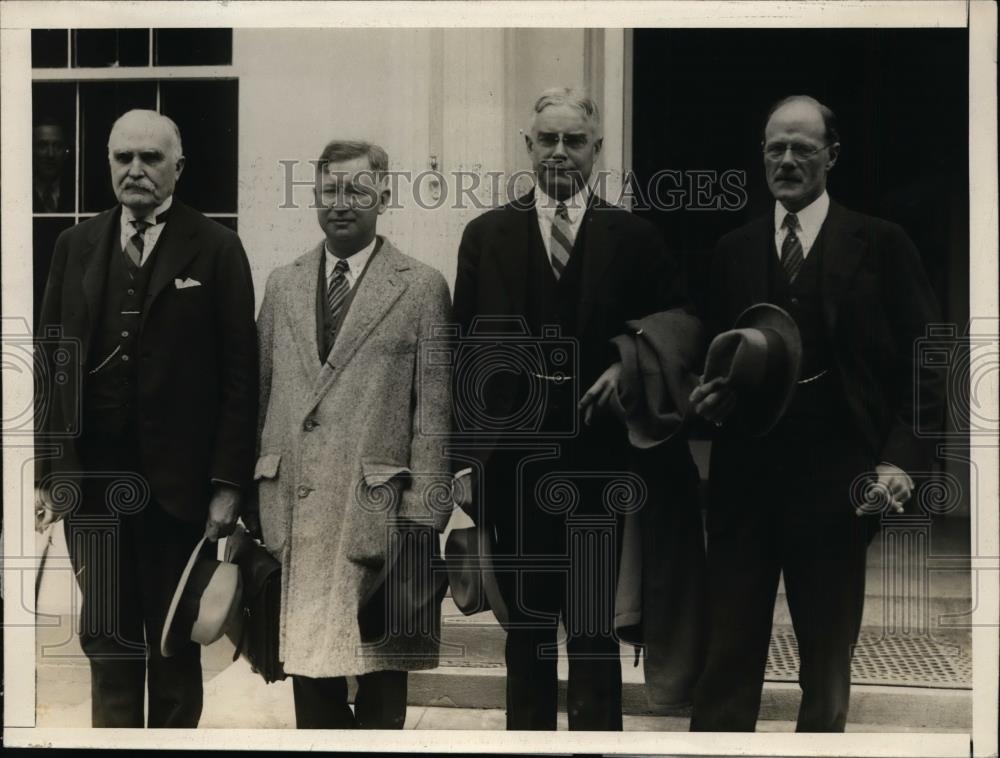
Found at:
<point>53,165</point>
<point>44,241</point>
<point>193,47</point>
<point>206,114</point>
<point>49,48</point>
<point>101,103</point>
<point>111,47</point>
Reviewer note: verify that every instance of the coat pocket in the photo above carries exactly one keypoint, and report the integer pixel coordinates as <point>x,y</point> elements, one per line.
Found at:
<point>377,498</point>
<point>273,502</point>
<point>378,474</point>
<point>267,466</point>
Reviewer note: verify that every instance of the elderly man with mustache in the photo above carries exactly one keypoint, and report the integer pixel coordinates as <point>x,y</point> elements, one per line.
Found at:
<point>150,307</point>
<point>781,502</point>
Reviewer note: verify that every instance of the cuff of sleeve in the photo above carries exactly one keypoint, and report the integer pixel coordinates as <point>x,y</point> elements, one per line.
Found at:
<point>226,482</point>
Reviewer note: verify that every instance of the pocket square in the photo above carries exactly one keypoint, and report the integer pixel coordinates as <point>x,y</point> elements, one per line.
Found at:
<point>184,283</point>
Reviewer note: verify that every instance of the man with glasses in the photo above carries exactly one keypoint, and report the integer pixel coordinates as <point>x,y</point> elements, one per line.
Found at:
<point>791,501</point>
<point>348,448</point>
<point>558,266</point>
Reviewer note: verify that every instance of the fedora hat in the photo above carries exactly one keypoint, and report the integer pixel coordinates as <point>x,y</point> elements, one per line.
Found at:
<point>760,358</point>
<point>468,553</point>
<point>208,598</point>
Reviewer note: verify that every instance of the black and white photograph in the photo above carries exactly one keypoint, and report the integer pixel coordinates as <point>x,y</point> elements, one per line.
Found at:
<point>472,375</point>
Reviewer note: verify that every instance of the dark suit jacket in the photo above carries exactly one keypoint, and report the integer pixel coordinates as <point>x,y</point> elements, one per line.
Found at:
<point>627,274</point>
<point>877,302</point>
<point>197,353</point>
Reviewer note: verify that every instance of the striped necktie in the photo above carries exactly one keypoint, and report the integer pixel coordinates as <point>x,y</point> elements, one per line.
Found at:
<point>791,248</point>
<point>136,244</point>
<point>336,293</point>
<point>562,240</point>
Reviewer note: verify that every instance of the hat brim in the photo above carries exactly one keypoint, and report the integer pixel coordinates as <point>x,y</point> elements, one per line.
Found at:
<point>474,587</point>
<point>167,642</point>
<point>767,317</point>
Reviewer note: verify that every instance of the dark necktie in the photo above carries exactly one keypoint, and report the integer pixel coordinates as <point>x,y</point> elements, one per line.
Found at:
<point>791,248</point>
<point>336,293</point>
<point>562,240</point>
<point>136,243</point>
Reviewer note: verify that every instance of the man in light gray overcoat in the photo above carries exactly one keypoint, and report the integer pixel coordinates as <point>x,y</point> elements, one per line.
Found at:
<point>345,453</point>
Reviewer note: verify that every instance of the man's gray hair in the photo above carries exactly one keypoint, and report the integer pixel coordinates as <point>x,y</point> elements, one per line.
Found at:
<point>573,97</point>
<point>178,146</point>
<point>338,151</point>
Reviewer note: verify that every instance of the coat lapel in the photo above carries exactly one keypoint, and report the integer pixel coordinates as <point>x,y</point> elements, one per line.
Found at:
<point>843,250</point>
<point>301,300</point>
<point>378,290</point>
<point>177,245</point>
<point>94,262</point>
<point>754,264</point>
<point>518,233</point>
<point>599,251</point>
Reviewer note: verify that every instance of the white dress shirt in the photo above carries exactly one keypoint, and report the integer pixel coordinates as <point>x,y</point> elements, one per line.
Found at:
<point>152,233</point>
<point>545,207</point>
<point>810,218</point>
<point>355,263</point>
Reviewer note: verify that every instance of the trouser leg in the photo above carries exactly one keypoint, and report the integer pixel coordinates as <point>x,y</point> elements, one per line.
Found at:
<point>380,702</point>
<point>825,583</point>
<point>322,703</point>
<point>743,571</point>
<point>111,632</point>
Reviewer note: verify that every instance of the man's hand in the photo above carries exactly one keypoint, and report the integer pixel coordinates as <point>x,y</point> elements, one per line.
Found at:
<point>600,392</point>
<point>713,401</point>
<point>46,512</point>
<point>893,485</point>
<point>222,511</point>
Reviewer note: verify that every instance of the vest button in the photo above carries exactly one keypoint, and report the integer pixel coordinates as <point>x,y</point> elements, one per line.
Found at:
<point>303,491</point>
<point>125,358</point>
<point>309,425</point>
<point>131,291</point>
<point>124,334</point>
<point>795,301</point>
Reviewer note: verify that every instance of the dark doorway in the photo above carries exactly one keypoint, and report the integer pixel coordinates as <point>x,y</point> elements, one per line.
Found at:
<point>901,96</point>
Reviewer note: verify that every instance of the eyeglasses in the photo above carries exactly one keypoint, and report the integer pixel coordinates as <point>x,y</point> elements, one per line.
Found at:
<point>353,197</point>
<point>570,141</point>
<point>775,151</point>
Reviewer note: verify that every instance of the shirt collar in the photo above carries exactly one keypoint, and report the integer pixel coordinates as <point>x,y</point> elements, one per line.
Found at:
<point>128,216</point>
<point>810,218</point>
<point>355,262</point>
<point>575,205</point>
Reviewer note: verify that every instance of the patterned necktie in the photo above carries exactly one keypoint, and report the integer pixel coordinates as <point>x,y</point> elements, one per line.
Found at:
<point>136,243</point>
<point>562,240</point>
<point>336,293</point>
<point>791,248</point>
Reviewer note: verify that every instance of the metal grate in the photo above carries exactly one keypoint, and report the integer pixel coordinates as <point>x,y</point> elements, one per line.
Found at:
<point>895,660</point>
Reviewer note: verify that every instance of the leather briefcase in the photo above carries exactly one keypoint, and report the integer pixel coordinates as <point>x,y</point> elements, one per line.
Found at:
<point>256,635</point>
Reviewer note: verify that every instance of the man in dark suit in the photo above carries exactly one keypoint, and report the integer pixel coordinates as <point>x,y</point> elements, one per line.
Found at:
<point>563,257</point>
<point>52,171</point>
<point>151,305</point>
<point>782,503</point>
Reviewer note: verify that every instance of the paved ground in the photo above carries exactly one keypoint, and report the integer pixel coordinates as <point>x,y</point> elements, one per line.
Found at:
<point>473,687</point>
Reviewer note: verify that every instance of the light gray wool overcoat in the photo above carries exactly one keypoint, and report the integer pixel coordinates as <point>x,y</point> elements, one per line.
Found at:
<point>344,444</point>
